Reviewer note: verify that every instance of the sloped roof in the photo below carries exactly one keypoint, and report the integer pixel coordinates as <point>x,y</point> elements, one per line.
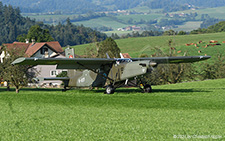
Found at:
<point>17,45</point>
<point>31,48</point>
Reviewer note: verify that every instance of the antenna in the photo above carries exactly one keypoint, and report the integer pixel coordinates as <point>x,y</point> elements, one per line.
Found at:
<point>107,55</point>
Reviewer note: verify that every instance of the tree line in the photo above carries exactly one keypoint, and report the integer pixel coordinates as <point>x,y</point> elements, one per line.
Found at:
<point>77,6</point>
<point>218,27</point>
<point>180,5</point>
<point>12,25</point>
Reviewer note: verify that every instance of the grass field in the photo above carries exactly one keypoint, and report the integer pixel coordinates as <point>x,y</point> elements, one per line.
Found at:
<point>103,21</point>
<point>188,26</point>
<point>217,12</point>
<point>115,24</point>
<point>193,110</point>
<point>138,46</point>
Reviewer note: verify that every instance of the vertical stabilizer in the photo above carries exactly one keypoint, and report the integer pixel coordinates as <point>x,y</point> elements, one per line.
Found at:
<point>121,55</point>
<point>69,52</point>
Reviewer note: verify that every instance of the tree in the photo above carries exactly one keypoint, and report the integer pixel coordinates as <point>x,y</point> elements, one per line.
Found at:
<point>170,73</point>
<point>214,70</point>
<point>169,33</point>
<point>181,33</point>
<point>108,46</point>
<point>17,75</point>
<point>36,33</point>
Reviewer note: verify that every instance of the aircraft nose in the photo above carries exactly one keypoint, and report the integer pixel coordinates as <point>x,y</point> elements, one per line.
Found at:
<point>152,64</point>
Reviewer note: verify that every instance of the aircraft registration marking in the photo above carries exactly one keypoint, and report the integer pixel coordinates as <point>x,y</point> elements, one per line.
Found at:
<point>81,80</point>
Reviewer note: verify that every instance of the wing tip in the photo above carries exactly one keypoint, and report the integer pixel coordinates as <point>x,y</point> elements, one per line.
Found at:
<point>18,61</point>
<point>205,57</point>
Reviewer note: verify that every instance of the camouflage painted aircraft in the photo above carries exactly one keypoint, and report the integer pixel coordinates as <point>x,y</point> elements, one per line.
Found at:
<point>107,73</point>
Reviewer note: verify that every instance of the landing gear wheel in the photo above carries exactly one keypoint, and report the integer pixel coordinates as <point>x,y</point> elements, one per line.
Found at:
<point>147,88</point>
<point>109,89</point>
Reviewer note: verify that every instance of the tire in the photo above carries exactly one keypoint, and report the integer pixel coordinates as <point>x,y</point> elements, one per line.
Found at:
<point>109,89</point>
<point>147,88</point>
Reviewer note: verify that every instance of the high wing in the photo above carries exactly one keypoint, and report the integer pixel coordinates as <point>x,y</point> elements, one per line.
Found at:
<point>66,63</point>
<point>179,59</point>
<point>95,63</point>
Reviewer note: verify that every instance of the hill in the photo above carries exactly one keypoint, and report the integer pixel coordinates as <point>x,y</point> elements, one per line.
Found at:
<point>144,17</point>
<point>145,45</point>
<point>180,111</point>
<point>76,6</point>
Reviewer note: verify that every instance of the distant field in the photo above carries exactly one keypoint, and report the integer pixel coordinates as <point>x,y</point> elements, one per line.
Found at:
<point>218,12</point>
<point>192,111</point>
<point>103,21</point>
<point>146,9</point>
<point>139,17</point>
<point>111,22</point>
<point>188,26</point>
<point>137,46</point>
<point>119,33</point>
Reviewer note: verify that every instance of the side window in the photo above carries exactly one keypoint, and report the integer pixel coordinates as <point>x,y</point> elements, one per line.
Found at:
<point>44,50</point>
<point>53,73</point>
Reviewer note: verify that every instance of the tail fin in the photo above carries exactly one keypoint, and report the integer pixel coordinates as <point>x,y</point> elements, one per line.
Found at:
<point>121,55</point>
<point>69,52</point>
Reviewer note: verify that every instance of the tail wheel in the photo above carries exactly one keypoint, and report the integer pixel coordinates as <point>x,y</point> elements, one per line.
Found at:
<point>109,89</point>
<point>147,88</point>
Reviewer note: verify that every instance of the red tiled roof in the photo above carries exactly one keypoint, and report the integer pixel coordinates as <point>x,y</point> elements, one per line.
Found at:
<point>20,46</point>
<point>31,49</point>
<point>56,46</point>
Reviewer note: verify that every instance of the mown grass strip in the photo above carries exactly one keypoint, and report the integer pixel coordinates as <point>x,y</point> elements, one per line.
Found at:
<point>192,109</point>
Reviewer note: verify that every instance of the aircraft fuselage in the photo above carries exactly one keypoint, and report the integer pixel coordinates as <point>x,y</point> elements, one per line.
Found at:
<point>122,70</point>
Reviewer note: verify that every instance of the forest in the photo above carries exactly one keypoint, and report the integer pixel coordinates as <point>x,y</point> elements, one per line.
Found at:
<point>12,25</point>
<point>84,6</point>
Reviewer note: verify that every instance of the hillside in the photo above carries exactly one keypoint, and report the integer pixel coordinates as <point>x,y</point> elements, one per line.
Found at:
<point>143,17</point>
<point>77,6</point>
<point>137,46</point>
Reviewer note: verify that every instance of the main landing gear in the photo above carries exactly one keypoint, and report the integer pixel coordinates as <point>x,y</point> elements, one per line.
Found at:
<point>147,88</point>
<point>109,89</point>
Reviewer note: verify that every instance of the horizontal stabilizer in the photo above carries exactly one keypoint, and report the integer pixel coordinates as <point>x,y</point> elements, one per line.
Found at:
<point>51,78</point>
<point>57,78</point>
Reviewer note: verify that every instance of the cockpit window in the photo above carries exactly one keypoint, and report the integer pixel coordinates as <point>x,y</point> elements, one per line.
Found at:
<point>123,60</point>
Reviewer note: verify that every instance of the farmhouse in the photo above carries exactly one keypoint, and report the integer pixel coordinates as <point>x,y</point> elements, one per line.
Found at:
<point>130,28</point>
<point>39,50</point>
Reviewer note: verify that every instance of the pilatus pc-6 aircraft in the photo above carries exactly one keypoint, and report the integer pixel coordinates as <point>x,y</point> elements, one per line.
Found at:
<point>108,73</point>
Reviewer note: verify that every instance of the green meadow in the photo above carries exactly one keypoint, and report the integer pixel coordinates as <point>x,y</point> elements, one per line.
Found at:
<point>193,110</point>
<point>217,12</point>
<point>145,45</point>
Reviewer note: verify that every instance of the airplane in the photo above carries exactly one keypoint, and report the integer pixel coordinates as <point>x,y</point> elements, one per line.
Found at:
<point>109,73</point>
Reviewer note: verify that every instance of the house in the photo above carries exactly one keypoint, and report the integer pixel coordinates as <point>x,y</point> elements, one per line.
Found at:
<point>39,50</point>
